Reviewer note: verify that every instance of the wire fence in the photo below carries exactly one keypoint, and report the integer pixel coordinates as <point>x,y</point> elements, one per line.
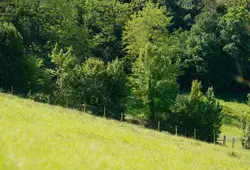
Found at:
<point>223,140</point>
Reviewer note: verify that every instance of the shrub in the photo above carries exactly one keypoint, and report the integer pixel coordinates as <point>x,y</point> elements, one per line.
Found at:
<point>100,85</point>
<point>153,82</point>
<point>116,88</point>
<point>95,83</point>
<point>196,111</point>
<point>16,69</point>
<point>245,129</point>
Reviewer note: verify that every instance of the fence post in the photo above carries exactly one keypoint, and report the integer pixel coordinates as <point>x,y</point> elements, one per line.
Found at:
<point>121,116</point>
<point>84,108</point>
<point>233,141</point>
<point>176,130</point>
<point>104,112</point>
<point>48,99</point>
<point>159,126</point>
<point>224,140</point>
<point>194,133</point>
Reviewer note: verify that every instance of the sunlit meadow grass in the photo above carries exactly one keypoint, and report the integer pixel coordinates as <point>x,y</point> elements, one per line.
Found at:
<point>232,112</point>
<point>39,136</point>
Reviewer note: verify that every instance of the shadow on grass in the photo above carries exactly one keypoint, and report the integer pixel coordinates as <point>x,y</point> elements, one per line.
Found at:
<point>233,97</point>
<point>230,120</point>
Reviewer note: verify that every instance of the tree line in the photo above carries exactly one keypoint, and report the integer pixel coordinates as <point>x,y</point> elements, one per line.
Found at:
<point>128,55</point>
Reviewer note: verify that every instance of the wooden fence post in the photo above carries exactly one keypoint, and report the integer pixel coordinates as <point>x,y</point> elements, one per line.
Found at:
<point>224,140</point>
<point>159,126</point>
<point>48,99</point>
<point>84,108</point>
<point>194,133</point>
<point>233,141</point>
<point>104,112</point>
<point>176,130</point>
<point>12,90</point>
<point>121,116</point>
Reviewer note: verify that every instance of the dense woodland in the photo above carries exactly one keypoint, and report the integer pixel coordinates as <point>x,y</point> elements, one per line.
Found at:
<point>129,55</point>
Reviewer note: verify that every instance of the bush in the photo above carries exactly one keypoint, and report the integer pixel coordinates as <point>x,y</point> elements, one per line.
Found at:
<point>245,129</point>
<point>16,69</point>
<point>116,88</point>
<point>154,82</point>
<point>93,83</point>
<point>196,111</point>
<point>101,86</point>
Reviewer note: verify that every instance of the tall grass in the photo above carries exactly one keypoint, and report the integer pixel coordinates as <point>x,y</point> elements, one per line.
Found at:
<point>39,136</point>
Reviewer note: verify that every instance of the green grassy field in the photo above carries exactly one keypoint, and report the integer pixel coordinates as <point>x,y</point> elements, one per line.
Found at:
<point>232,112</point>
<point>39,136</point>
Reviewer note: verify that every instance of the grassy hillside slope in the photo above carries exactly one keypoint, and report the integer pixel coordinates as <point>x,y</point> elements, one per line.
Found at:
<point>232,113</point>
<point>39,136</point>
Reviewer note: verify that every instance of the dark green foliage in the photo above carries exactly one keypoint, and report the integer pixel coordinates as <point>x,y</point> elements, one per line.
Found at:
<point>91,79</point>
<point>236,36</point>
<point>17,71</point>
<point>29,18</point>
<point>102,86</point>
<point>153,81</point>
<point>11,56</point>
<point>117,89</point>
<point>94,28</point>
<point>105,22</point>
<point>214,40</point>
<point>196,111</point>
<point>185,11</point>
<point>204,56</point>
<point>63,73</point>
<point>245,130</point>
<point>146,26</point>
<point>93,83</point>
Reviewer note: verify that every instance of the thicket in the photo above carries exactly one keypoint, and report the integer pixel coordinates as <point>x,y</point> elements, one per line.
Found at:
<point>245,130</point>
<point>196,113</point>
<point>127,54</point>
